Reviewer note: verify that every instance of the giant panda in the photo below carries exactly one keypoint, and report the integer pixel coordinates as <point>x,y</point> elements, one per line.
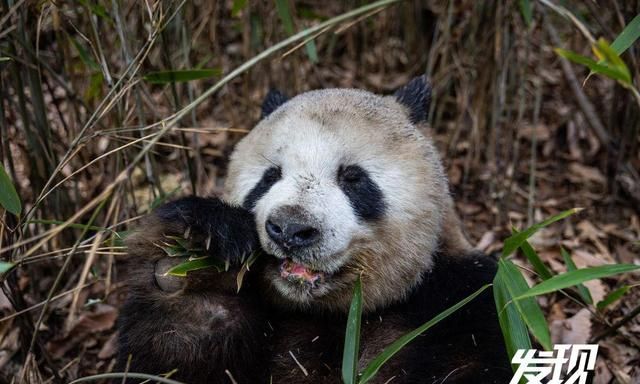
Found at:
<point>331,185</point>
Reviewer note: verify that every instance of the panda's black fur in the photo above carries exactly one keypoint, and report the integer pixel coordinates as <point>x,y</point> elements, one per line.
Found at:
<point>208,332</point>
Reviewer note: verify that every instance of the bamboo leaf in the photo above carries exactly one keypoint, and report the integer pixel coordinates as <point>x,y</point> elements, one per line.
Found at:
<point>611,58</point>
<point>181,75</point>
<point>4,266</point>
<point>352,337</point>
<point>192,265</point>
<point>527,11</point>
<point>515,241</point>
<point>514,329</point>
<point>85,57</point>
<point>374,366</point>
<point>282,7</point>
<point>237,7</point>
<point>594,66</point>
<point>162,198</point>
<point>97,9</point>
<point>627,37</point>
<point>571,266</point>
<point>529,309</point>
<point>9,198</point>
<point>531,255</point>
<point>613,297</point>
<point>569,279</point>
<point>118,238</point>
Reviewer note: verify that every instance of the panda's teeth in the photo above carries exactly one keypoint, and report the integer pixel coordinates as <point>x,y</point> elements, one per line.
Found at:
<point>298,273</point>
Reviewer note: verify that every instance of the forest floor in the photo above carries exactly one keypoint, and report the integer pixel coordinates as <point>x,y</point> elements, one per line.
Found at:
<point>515,142</point>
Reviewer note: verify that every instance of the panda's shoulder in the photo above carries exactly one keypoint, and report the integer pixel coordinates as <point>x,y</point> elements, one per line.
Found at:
<point>452,278</point>
<point>466,269</point>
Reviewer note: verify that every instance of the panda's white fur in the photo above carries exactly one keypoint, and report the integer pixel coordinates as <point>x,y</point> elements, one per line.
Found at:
<point>309,138</point>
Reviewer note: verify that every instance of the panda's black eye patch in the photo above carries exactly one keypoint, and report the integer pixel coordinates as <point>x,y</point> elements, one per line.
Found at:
<point>364,194</point>
<point>269,178</point>
<point>352,174</point>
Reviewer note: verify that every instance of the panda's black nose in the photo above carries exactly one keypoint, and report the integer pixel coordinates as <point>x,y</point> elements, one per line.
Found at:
<point>291,234</point>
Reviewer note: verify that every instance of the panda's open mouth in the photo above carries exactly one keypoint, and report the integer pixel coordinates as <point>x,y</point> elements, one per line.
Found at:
<point>301,274</point>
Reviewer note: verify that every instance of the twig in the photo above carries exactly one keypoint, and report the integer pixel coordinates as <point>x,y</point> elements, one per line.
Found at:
<point>118,375</point>
<point>302,368</point>
<point>567,14</point>
<point>614,327</point>
<point>40,304</point>
<point>228,373</point>
<point>304,42</point>
<point>583,102</point>
<point>532,168</point>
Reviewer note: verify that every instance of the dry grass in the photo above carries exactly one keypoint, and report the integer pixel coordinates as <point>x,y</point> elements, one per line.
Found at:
<point>88,141</point>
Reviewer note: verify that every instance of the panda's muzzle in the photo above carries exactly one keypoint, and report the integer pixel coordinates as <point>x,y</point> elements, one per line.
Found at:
<point>292,229</point>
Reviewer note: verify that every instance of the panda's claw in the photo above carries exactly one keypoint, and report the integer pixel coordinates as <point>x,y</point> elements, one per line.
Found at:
<point>193,217</point>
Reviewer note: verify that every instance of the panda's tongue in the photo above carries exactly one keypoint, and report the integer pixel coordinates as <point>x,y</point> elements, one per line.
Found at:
<point>298,273</point>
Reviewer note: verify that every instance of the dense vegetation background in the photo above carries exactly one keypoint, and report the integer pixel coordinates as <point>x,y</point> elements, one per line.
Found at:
<point>91,140</point>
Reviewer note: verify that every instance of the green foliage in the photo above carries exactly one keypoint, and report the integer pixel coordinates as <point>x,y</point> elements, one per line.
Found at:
<point>612,297</point>
<point>515,241</point>
<point>352,337</point>
<point>197,258</point>
<point>85,57</point>
<point>9,198</point>
<point>237,7</point>
<point>158,201</point>
<point>4,266</point>
<point>282,7</point>
<point>192,265</point>
<point>609,62</point>
<point>571,266</point>
<point>528,310</point>
<point>572,278</point>
<point>181,75</point>
<point>96,9</point>
<point>514,329</point>
<point>181,247</point>
<point>610,58</point>
<point>526,9</point>
<point>627,37</point>
<point>518,311</point>
<point>531,255</point>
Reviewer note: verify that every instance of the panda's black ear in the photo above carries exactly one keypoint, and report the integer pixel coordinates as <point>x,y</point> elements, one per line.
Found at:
<point>416,96</point>
<point>272,101</point>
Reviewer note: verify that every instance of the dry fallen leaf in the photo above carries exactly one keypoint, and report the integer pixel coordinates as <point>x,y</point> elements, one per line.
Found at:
<point>582,173</point>
<point>541,132</point>
<point>109,348</point>
<point>102,318</point>
<point>597,289</point>
<point>603,375</point>
<point>574,330</point>
<point>584,258</point>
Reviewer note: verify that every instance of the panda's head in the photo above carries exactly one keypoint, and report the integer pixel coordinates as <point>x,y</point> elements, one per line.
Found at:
<point>343,184</point>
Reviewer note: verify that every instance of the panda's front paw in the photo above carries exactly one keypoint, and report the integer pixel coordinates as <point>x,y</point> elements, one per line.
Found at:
<point>210,225</point>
